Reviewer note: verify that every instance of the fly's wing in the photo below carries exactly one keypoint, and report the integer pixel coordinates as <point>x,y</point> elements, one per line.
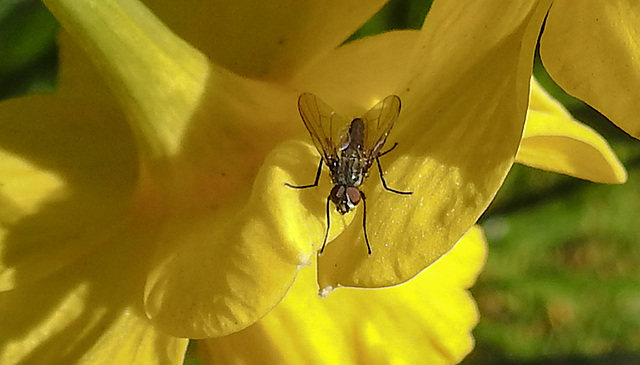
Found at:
<point>325,126</point>
<point>378,122</point>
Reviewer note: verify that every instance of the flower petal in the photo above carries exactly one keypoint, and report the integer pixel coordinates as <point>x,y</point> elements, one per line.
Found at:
<point>357,75</point>
<point>231,245</point>
<point>266,39</point>
<point>464,89</point>
<point>77,276</point>
<point>591,50</point>
<point>87,313</point>
<point>193,134</point>
<point>78,148</point>
<point>556,142</point>
<point>426,320</point>
<point>156,76</point>
<point>220,272</point>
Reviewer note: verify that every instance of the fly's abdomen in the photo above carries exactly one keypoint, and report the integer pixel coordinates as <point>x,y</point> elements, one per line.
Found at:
<point>356,134</point>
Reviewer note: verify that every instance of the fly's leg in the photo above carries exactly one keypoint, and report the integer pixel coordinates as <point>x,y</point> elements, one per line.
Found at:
<point>389,150</point>
<point>364,222</point>
<point>315,183</point>
<point>384,183</point>
<point>326,233</point>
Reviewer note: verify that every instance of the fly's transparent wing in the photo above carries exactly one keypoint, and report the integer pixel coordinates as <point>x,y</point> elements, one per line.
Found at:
<point>378,122</point>
<point>325,126</point>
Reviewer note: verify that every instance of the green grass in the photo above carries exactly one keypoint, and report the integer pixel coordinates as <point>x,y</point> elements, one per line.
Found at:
<point>562,274</point>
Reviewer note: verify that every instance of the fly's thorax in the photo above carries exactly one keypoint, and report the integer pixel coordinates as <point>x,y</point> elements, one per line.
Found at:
<point>349,169</point>
<point>345,197</point>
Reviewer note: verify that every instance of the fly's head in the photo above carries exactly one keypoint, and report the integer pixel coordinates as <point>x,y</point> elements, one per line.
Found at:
<point>345,198</point>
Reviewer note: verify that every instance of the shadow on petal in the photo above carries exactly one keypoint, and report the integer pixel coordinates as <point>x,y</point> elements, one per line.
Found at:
<point>89,311</point>
<point>266,40</point>
<point>79,137</point>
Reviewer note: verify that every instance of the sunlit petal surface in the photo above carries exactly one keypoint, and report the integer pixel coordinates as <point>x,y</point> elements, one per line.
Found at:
<point>427,320</point>
<point>157,78</point>
<point>554,141</point>
<point>591,49</point>
<point>464,88</point>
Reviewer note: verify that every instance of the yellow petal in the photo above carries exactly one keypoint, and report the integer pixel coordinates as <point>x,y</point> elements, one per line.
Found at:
<point>355,76</point>
<point>464,89</point>
<point>265,39</point>
<point>69,166</point>
<point>426,320</point>
<point>131,339</point>
<point>206,177</point>
<point>87,313</point>
<point>556,142</point>
<point>591,50</point>
<point>231,245</point>
<point>157,78</point>
<point>70,169</point>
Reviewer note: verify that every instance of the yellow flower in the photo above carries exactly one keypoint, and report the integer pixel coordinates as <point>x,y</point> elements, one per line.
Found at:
<point>590,48</point>
<point>145,199</point>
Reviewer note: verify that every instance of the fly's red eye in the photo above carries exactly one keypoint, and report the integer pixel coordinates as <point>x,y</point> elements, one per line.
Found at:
<point>354,195</point>
<point>337,194</point>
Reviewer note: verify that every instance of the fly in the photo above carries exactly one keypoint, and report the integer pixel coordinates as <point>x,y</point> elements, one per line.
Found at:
<point>348,151</point>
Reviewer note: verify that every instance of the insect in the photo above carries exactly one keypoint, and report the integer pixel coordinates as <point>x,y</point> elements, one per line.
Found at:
<point>349,150</point>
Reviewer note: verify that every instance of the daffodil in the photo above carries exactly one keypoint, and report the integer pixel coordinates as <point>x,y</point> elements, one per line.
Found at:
<point>145,200</point>
<point>591,49</point>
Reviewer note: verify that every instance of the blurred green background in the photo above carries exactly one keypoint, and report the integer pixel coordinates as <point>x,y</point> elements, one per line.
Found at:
<point>562,281</point>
